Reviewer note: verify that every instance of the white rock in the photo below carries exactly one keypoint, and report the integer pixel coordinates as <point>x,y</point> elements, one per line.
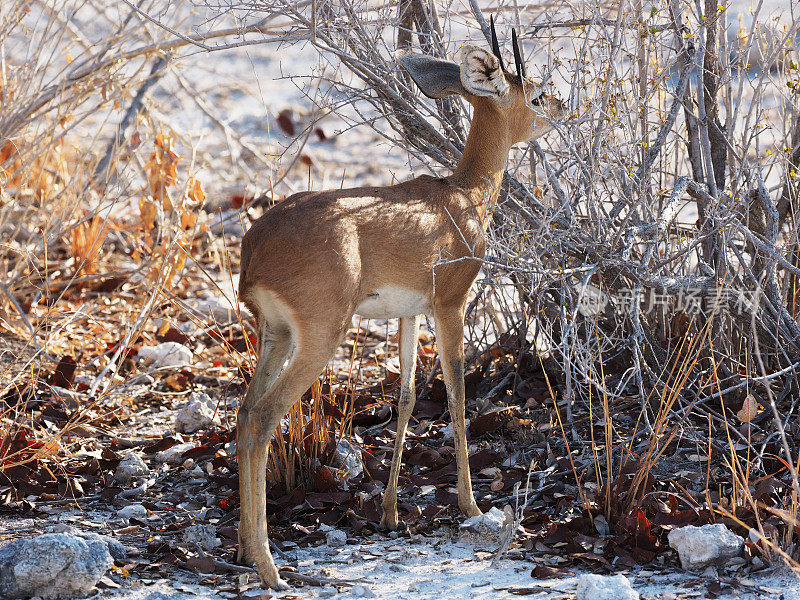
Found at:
<point>218,310</point>
<point>53,565</point>
<point>484,529</point>
<point>131,467</point>
<point>197,413</point>
<point>360,590</point>
<point>699,547</point>
<point>115,548</point>
<point>605,587</point>
<point>736,561</point>
<point>202,535</point>
<point>173,456</point>
<point>346,461</point>
<point>327,591</point>
<point>132,511</point>
<point>336,538</point>
<point>167,354</point>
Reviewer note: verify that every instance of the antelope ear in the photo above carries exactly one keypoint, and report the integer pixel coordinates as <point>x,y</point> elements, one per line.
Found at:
<point>481,73</point>
<point>436,78</point>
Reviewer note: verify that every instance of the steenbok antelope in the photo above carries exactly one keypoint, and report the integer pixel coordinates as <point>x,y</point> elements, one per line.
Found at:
<point>317,258</point>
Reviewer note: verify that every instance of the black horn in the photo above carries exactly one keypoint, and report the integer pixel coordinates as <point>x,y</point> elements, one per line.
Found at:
<point>496,44</point>
<point>518,58</point>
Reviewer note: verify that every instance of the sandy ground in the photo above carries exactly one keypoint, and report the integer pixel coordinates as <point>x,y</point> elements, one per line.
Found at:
<point>429,568</point>
<point>434,568</point>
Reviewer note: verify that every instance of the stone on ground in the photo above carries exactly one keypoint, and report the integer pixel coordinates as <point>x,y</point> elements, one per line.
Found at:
<point>167,354</point>
<point>217,309</point>
<point>196,414</point>
<point>174,455</point>
<point>53,566</point>
<point>132,511</point>
<point>327,592</point>
<point>204,536</point>
<point>346,461</point>
<point>605,587</point>
<point>115,548</point>
<point>699,547</point>
<point>360,590</point>
<point>336,538</point>
<point>483,530</point>
<point>131,467</point>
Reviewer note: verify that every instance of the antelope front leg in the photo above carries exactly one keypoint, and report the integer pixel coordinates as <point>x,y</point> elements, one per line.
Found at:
<point>252,444</point>
<point>409,336</point>
<point>450,343</point>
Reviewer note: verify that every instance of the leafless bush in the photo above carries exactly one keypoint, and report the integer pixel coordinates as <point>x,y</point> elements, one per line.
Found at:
<point>652,250</point>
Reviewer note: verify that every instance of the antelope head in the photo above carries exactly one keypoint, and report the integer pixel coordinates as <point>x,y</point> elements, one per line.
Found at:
<point>481,78</point>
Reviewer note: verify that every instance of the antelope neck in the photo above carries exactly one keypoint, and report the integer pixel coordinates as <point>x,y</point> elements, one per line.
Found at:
<point>485,155</point>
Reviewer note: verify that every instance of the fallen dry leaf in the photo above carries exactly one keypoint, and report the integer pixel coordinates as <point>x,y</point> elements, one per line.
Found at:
<point>749,409</point>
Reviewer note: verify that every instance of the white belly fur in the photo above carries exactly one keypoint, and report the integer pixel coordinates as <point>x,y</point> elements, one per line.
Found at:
<point>389,302</point>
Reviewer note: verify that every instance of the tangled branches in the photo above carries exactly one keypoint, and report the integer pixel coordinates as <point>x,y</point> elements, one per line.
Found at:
<point>646,253</point>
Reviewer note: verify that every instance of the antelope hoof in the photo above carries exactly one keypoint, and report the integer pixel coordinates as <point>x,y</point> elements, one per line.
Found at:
<point>279,586</point>
<point>471,510</point>
<point>268,574</point>
<point>389,520</point>
<point>261,559</point>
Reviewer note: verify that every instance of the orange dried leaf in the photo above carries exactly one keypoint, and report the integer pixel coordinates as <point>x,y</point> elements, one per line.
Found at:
<point>8,149</point>
<point>148,213</point>
<point>164,328</point>
<point>194,192</point>
<point>162,170</point>
<point>188,220</point>
<point>87,241</point>
<point>10,164</point>
<point>121,571</point>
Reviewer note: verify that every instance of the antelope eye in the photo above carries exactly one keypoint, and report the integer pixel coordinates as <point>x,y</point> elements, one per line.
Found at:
<point>537,100</point>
